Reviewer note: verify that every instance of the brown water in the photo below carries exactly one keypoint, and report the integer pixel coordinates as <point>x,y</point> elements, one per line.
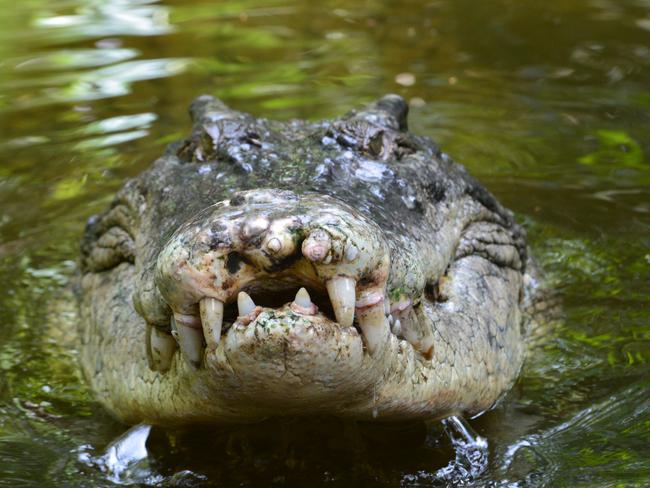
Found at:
<point>548,103</point>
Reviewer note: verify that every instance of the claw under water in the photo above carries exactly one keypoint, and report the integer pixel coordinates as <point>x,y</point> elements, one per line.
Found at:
<point>471,450</point>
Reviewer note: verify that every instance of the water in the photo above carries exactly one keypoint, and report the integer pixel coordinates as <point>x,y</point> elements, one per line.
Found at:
<point>548,103</point>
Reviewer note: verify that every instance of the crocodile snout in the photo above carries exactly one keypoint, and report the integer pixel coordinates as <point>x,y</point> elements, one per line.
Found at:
<point>263,246</point>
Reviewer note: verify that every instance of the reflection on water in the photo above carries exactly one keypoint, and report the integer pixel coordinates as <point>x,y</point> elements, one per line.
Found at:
<point>110,81</point>
<point>548,103</point>
<point>94,19</point>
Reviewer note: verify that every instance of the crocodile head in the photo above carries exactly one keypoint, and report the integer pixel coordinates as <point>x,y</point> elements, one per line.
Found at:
<point>262,268</point>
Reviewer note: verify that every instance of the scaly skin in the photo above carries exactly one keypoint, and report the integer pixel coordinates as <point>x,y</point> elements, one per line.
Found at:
<point>353,209</point>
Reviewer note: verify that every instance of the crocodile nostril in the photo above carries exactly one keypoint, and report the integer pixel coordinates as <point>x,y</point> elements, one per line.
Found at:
<point>234,262</point>
<point>282,264</point>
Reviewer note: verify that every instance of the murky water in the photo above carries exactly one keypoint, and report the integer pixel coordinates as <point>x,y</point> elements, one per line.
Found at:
<point>548,103</point>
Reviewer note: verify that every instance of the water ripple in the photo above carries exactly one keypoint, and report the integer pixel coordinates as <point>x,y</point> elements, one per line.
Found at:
<point>109,81</point>
<point>100,19</point>
<point>71,59</point>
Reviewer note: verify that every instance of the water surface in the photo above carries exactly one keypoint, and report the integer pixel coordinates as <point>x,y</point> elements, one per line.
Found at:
<point>548,103</point>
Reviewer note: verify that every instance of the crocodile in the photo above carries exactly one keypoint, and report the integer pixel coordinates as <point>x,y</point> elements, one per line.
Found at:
<point>263,268</point>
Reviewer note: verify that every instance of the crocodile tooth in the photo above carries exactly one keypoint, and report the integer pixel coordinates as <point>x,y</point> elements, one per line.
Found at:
<point>374,325</point>
<point>245,303</point>
<point>190,340</point>
<point>303,304</point>
<point>420,338</point>
<point>163,347</point>
<point>341,290</point>
<point>211,320</point>
<point>302,298</point>
<point>397,327</point>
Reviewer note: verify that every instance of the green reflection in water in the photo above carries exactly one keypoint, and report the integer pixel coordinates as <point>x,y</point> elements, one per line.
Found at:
<point>546,103</point>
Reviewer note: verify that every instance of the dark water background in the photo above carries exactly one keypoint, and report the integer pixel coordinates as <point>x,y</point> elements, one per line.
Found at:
<point>548,103</point>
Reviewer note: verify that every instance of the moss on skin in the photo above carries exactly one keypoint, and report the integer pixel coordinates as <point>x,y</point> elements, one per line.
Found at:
<point>414,217</point>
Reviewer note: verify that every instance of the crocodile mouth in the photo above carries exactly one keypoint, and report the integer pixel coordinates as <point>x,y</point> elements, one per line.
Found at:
<point>306,300</point>
<point>274,308</point>
<point>257,309</point>
<point>268,262</point>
